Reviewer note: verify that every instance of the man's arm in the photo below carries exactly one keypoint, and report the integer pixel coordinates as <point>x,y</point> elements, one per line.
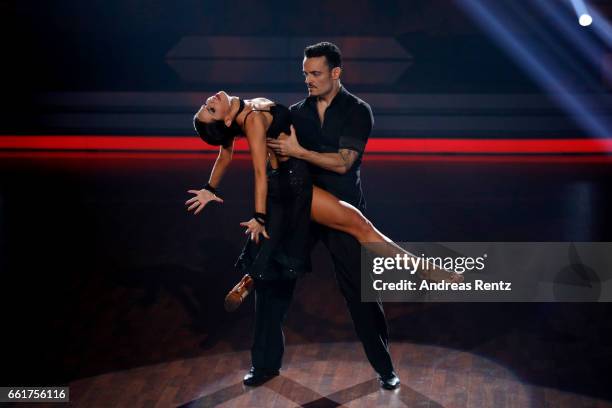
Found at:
<point>288,145</point>
<point>352,143</point>
<point>340,162</point>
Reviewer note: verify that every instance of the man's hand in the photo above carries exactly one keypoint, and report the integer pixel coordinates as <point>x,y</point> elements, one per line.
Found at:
<point>286,145</point>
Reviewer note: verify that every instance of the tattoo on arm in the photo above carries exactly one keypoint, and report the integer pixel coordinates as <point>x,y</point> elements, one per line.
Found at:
<point>348,157</point>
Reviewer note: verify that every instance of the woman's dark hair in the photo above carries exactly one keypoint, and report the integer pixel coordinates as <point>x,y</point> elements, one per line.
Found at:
<point>216,133</point>
<point>330,51</point>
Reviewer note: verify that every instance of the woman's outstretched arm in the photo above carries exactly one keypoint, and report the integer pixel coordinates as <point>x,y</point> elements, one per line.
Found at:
<point>221,164</point>
<point>208,193</point>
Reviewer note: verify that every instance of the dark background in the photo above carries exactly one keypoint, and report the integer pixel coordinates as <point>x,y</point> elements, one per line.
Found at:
<point>122,67</point>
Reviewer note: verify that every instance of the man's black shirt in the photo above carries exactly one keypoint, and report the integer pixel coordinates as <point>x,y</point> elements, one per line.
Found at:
<point>347,124</point>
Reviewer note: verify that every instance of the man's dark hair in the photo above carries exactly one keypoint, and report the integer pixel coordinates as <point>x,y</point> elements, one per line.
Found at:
<point>330,51</point>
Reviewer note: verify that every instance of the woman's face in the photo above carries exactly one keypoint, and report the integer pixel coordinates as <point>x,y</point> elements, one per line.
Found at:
<point>217,107</point>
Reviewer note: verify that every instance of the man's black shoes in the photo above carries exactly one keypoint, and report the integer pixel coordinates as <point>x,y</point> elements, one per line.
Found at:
<point>389,381</point>
<point>257,377</point>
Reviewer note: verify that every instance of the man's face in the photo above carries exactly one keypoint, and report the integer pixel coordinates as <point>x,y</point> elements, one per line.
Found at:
<point>317,75</point>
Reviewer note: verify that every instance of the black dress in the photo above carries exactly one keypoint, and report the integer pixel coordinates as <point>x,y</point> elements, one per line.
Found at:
<point>286,255</point>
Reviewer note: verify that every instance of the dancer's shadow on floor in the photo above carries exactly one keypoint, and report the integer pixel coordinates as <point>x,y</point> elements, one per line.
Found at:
<point>199,295</point>
<point>198,287</point>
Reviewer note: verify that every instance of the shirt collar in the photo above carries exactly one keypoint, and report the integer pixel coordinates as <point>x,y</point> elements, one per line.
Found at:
<point>342,92</point>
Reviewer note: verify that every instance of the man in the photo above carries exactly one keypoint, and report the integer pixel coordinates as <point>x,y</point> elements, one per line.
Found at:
<point>334,126</point>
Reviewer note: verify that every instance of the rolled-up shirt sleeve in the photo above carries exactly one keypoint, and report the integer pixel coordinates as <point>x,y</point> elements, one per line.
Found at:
<point>357,130</point>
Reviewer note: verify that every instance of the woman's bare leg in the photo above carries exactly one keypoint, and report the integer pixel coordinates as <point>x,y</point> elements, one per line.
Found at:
<point>328,210</point>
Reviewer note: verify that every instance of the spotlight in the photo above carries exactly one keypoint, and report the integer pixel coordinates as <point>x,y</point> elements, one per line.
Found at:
<point>585,20</point>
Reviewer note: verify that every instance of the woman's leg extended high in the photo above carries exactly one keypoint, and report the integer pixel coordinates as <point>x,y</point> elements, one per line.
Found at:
<point>331,212</point>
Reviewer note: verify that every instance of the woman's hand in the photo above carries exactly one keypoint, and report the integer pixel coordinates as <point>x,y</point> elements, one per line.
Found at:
<point>201,198</point>
<point>254,228</point>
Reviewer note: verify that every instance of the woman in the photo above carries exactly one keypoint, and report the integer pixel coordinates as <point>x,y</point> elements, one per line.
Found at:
<point>285,199</point>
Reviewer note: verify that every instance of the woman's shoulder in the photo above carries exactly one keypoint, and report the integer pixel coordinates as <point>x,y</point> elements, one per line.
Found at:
<point>261,103</point>
<point>266,104</point>
<point>255,118</point>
